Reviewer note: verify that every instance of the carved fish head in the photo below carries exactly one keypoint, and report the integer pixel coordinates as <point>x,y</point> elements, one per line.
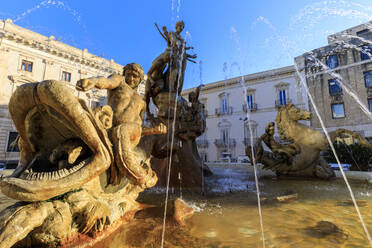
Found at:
<point>63,145</point>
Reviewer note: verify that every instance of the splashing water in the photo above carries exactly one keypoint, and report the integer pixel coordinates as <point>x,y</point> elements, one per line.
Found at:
<point>180,60</point>
<point>201,71</point>
<point>242,82</point>
<point>180,180</point>
<point>235,37</point>
<point>345,86</point>
<point>47,4</point>
<point>314,13</point>
<point>224,70</point>
<point>200,96</point>
<point>304,85</point>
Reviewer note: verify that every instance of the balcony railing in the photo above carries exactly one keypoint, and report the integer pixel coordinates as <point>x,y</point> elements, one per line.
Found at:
<point>337,97</point>
<point>247,141</point>
<point>369,91</point>
<point>252,107</point>
<point>202,143</point>
<point>279,103</point>
<point>227,111</point>
<point>220,143</point>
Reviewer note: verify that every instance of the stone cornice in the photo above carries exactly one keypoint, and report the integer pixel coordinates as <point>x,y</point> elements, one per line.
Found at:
<point>54,47</point>
<point>250,79</point>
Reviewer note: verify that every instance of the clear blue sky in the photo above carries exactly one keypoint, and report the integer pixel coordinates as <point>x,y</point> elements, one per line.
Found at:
<point>234,33</point>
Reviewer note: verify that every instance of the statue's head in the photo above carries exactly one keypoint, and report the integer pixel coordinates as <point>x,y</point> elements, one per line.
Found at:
<point>180,25</point>
<point>133,74</point>
<point>192,97</point>
<point>297,113</point>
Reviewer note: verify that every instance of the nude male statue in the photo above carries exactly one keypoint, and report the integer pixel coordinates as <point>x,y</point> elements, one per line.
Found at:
<point>128,109</point>
<point>175,51</point>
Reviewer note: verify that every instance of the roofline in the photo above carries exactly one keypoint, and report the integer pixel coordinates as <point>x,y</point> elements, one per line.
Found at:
<point>249,77</point>
<point>11,31</point>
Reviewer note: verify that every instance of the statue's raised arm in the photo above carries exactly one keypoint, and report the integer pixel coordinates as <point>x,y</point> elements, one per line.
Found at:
<point>109,83</point>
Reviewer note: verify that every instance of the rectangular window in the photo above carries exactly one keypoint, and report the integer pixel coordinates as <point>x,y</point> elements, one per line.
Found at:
<point>250,101</point>
<point>224,105</point>
<point>334,87</point>
<point>66,76</point>
<point>366,52</point>
<point>368,79</point>
<point>225,135</point>
<point>26,65</point>
<point>332,61</point>
<point>364,31</point>
<point>282,97</point>
<point>338,110</point>
<point>370,105</point>
<point>12,145</point>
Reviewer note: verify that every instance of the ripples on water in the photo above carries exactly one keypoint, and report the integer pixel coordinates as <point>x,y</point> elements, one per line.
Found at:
<point>228,217</point>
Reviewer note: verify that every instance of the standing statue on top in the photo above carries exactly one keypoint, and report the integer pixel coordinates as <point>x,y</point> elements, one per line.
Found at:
<point>164,84</point>
<point>175,58</point>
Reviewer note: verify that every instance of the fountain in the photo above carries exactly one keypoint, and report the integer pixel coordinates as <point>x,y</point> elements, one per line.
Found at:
<point>82,184</point>
<point>184,119</point>
<point>299,153</point>
<point>82,187</point>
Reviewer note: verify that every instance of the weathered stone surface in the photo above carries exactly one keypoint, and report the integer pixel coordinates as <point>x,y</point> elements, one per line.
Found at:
<point>79,168</point>
<point>298,152</point>
<point>182,211</point>
<point>184,119</point>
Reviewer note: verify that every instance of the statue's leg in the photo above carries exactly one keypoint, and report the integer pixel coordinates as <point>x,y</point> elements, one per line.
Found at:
<point>125,138</point>
<point>158,62</point>
<point>92,213</point>
<point>323,170</point>
<point>182,76</point>
<point>18,221</point>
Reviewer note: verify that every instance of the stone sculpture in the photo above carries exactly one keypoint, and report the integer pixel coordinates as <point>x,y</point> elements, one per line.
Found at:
<point>81,169</point>
<point>300,153</point>
<point>164,84</point>
<point>77,175</point>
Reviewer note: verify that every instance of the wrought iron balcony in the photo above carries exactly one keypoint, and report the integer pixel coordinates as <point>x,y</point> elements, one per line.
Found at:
<point>252,107</point>
<point>369,91</point>
<point>202,143</point>
<point>279,103</point>
<point>220,143</point>
<point>337,97</point>
<point>227,111</point>
<point>247,141</point>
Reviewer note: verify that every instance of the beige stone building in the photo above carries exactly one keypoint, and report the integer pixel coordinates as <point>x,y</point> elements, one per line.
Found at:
<point>26,56</point>
<point>339,77</point>
<point>227,103</point>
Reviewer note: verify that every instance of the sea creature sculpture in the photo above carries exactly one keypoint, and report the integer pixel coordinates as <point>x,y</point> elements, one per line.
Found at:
<point>299,151</point>
<point>64,177</point>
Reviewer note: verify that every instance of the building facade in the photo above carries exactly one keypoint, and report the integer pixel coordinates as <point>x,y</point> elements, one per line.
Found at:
<point>228,102</point>
<point>339,78</point>
<point>26,56</point>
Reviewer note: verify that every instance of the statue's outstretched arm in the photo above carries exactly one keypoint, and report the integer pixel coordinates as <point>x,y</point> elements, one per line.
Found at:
<point>99,82</point>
